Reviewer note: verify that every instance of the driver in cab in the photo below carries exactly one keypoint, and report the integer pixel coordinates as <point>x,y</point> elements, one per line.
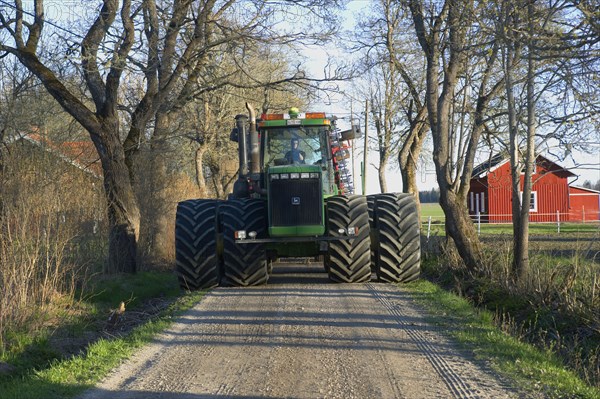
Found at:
<point>295,156</point>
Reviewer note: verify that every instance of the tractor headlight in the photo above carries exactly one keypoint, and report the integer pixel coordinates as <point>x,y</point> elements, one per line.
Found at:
<point>275,176</point>
<point>284,176</point>
<point>314,175</point>
<point>240,234</point>
<point>350,231</point>
<point>305,175</point>
<point>294,175</point>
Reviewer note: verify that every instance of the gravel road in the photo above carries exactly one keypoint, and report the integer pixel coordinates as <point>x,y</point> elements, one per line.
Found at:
<point>302,337</point>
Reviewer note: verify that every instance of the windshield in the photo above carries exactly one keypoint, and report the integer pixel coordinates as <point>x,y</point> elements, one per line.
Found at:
<point>296,145</point>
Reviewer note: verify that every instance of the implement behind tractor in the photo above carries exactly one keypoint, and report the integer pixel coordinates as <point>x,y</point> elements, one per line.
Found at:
<point>295,198</point>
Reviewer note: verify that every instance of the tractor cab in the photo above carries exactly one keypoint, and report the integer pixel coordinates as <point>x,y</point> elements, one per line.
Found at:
<point>298,171</point>
<point>299,145</point>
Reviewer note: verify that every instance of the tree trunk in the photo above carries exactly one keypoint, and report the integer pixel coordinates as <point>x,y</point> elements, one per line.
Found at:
<point>218,185</point>
<point>381,175</point>
<point>408,155</point>
<point>519,199</point>
<point>461,229</point>
<point>521,236</point>
<point>521,258</point>
<point>102,124</point>
<point>521,195</point>
<point>157,215</point>
<point>200,180</point>
<point>123,211</point>
<point>407,159</point>
<point>2,133</point>
<point>452,196</point>
<point>409,181</point>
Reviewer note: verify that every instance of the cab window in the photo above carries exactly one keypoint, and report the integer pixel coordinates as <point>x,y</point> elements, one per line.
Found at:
<point>281,146</point>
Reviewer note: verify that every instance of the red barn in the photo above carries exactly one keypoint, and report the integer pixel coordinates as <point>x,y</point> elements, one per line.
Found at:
<point>490,194</point>
<point>584,204</point>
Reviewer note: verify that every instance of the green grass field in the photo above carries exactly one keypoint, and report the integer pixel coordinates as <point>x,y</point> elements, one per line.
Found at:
<point>431,209</point>
<point>434,211</point>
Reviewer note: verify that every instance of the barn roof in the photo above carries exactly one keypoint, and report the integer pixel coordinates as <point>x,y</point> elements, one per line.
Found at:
<point>490,165</point>
<point>500,159</point>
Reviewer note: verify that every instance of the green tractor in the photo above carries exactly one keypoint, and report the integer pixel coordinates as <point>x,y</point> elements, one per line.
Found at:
<point>294,198</point>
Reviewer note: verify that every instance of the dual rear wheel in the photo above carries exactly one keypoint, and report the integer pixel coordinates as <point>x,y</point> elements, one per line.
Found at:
<point>196,258</point>
<point>206,252</point>
<point>388,242</point>
<point>348,260</point>
<point>395,237</point>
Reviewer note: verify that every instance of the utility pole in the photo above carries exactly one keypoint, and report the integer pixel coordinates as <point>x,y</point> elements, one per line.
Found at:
<point>364,165</point>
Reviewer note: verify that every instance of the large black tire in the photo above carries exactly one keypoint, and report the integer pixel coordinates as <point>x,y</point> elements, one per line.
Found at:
<point>196,260</point>
<point>348,261</point>
<point>397,239</point>
<point>244,264</point>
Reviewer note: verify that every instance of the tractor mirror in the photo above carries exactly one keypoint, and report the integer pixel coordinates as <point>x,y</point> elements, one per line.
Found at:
<point>347,135</point>
<point>351,134</point>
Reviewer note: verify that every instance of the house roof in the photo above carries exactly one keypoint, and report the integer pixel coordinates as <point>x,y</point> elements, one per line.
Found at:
<point>585,189</point>
<point>81,154</point>
<point>498,160</point>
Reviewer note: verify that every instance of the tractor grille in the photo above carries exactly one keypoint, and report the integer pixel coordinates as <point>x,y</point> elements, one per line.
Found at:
<point>295,202</point>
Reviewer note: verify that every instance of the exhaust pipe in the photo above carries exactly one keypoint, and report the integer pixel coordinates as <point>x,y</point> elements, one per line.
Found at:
<point>241,121</point>
<point>254,144</point>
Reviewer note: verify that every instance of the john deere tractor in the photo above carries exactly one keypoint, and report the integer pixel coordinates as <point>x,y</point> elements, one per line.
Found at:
<point>294,198</point>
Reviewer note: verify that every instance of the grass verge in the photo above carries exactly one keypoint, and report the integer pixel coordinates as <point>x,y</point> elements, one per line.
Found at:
<point>532,369</point>
<point>41,372</point>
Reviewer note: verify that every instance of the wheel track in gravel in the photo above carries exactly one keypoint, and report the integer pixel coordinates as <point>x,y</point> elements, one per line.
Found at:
<point>383,361</point>
<point>457,385</point>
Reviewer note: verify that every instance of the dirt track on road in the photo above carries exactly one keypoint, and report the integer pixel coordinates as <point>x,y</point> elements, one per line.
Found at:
<point>302,337</point>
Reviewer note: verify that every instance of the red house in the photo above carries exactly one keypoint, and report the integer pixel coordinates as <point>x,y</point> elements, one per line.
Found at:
<point>490,194</point>
<point>584,204</point>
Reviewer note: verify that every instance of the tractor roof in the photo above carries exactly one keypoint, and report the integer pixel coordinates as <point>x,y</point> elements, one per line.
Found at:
<point>294,118</point>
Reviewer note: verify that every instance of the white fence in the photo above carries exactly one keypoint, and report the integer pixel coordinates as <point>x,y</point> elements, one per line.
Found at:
<point>557,219</point>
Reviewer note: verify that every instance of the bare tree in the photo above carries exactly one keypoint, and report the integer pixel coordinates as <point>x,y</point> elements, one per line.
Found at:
<point>544,54</point>
<point>511,53</point>
<point>401,109</point>
<point>218,54</point>
<point>459,60</point>
<point>102,121</point>
<point>175,45</point>
<point>404,59</point>
<point>384,113</point>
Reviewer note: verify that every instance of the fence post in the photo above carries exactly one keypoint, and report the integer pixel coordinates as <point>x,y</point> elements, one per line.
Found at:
<point>478,223</point>
<point>428,228</point>
<point>557,221</point>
